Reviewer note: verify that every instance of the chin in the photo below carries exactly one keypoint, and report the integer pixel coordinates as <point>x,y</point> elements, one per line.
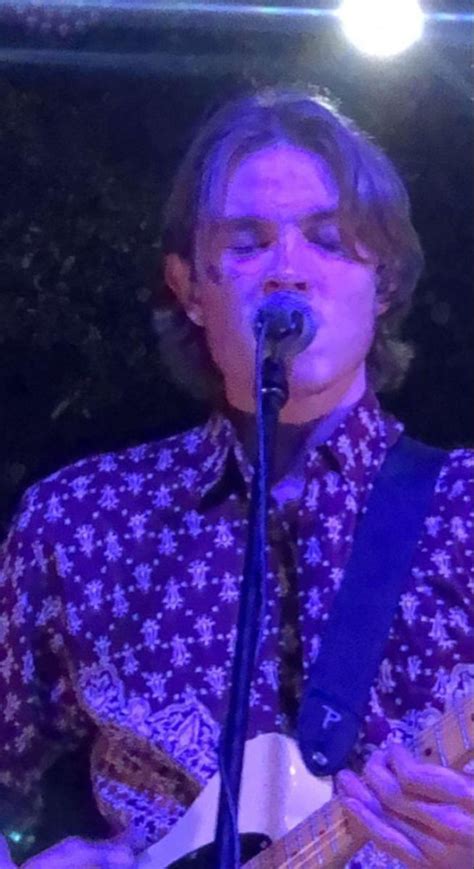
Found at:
<point>306,378</point>
<point>306,389</point>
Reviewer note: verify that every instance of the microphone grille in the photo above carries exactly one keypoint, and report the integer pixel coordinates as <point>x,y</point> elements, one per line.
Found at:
<point>289,320</point>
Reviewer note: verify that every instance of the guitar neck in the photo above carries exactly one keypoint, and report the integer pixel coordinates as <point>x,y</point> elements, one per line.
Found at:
<point>323,839</point>
<point>327,839</point>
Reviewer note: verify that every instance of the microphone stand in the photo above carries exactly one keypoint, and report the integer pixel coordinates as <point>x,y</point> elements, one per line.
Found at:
<point>271,395</point>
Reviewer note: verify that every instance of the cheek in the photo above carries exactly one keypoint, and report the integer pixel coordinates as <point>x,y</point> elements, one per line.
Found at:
<point>241,284</point>
<point>348,321</point>
<point>227,323</point>
<point>354,299</point>
<point>229,299</point>
<point>359,308</point>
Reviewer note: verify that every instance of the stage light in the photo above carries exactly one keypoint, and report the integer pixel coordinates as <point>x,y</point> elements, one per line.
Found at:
<point>382,28</point>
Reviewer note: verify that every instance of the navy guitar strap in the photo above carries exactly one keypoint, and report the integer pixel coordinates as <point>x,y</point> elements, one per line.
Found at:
<point>339,682</point>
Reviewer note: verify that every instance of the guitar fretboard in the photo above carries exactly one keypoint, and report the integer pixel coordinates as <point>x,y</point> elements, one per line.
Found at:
<point>326,839</point>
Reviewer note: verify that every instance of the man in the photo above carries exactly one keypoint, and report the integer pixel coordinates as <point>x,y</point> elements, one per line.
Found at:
<point>121,573</point>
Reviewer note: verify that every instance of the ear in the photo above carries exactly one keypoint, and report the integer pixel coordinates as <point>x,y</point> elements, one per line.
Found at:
<point>177,275</point>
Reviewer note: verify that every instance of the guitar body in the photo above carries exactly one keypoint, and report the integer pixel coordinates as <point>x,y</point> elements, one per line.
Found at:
<point>250,844</point>
<point>281,800</point>
<point>277,793</point>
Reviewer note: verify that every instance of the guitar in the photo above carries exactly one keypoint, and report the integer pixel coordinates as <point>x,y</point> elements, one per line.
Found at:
<point>279,797</point>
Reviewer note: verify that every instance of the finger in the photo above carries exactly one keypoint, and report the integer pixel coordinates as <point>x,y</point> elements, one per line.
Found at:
<point>436,850</point>
<point>447,823</point>
<point>6,861</point>
<point>431,825</point>
<point>116,855</point>
<point>387,837</point>
<point>383,782</point>
<point>74,852</point>
<point>431,781</point>
<point>350,785</point>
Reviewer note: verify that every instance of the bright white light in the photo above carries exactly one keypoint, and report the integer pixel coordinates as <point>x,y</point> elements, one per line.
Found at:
<point>382,27</point>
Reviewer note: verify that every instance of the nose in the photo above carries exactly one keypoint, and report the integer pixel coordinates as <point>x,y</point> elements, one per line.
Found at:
<point>284,282</point>
<point>285,272</point>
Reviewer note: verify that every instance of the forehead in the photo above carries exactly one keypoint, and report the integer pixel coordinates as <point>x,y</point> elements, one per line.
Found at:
<point>279,180</point>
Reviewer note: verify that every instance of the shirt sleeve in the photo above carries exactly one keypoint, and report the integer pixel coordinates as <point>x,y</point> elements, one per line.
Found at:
<point>39,716</point>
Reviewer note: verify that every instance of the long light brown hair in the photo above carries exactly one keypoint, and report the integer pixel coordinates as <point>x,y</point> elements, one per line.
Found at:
<point>374,208</point>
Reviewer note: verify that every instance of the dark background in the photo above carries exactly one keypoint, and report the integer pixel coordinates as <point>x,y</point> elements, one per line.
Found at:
<point>97,109</point>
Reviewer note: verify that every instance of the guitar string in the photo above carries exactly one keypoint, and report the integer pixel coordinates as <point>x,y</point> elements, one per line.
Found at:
<point>313,847</point>
<point>332,832</point>
<point>336,826</point>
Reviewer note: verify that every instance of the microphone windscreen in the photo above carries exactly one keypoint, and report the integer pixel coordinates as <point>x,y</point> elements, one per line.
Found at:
<point>290,323</point>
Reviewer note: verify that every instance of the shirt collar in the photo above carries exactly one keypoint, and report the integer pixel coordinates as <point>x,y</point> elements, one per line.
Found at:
<point>359,444</point>
<point>355,449</point>
<point>223,458</point>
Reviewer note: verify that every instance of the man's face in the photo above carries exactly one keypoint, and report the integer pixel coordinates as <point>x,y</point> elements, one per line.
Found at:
<point>279,230</point>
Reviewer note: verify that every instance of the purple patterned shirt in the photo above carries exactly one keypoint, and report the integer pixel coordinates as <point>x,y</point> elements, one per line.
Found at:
<point>119,591</point>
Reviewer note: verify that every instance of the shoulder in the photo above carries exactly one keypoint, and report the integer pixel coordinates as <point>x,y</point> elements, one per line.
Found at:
<point>100,482</point>
<point>455,484</point>
<point>449,523</point>
<point>452,506</point>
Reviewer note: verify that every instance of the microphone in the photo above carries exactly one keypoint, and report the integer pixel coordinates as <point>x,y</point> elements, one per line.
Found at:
<point>289,322</point>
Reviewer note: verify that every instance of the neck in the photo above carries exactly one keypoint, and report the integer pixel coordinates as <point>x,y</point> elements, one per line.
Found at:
<point>291,436</point>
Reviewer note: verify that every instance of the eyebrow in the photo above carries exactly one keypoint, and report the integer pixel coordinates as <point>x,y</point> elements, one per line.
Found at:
<point>250,221</point>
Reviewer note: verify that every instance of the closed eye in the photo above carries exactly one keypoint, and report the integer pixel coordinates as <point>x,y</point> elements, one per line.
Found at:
<point>246,244</point>
<point>328,240</point>
<point>245,249</point>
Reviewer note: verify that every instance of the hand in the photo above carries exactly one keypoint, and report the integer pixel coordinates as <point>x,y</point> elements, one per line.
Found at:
<point>420,813</point>
<point>76,853</point>
<point>6,861</point>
